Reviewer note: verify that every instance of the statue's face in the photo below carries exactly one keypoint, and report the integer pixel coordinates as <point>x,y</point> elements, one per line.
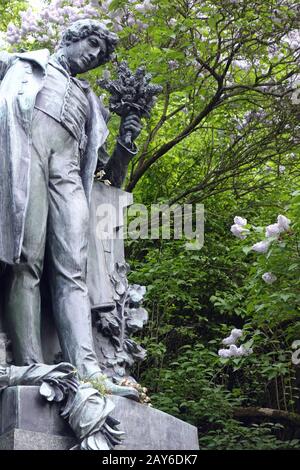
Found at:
<point>85,54</point>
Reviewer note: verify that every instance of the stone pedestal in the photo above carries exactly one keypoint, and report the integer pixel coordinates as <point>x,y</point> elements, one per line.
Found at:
<point>27,421</point>
<point>3,341</point>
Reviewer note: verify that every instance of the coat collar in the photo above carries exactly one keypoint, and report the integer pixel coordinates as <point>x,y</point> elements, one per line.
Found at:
<point>40,57</point>
<point>83,84</point>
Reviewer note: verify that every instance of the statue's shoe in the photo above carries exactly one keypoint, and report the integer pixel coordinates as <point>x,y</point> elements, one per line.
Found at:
<point>122,391</point>
<point>114,389</point>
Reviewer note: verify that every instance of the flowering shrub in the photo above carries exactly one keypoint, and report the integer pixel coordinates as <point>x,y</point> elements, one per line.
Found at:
<point>45,26</point>
<point>238,229</point>
<point>261,247</point>
<point>194,388</point>
<point>267,303</point>
<point>272,231</point>
<point>271,289</point>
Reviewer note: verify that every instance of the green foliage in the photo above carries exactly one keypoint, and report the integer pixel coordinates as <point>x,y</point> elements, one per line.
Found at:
<point>98,385</point>
<point>195,388</point>
<point>201,296</point>
<point>255,437</point>
<point>9,10</point>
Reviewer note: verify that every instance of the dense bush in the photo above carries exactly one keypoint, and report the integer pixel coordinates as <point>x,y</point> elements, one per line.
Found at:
<point>196,298</point>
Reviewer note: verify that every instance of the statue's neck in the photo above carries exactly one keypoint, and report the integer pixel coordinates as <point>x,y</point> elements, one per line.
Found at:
<point>62,60</point>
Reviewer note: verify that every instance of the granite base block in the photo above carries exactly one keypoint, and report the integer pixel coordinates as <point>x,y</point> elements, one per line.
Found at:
<point>3,342</point>
<point>21,439</point>
<point>27,421</point>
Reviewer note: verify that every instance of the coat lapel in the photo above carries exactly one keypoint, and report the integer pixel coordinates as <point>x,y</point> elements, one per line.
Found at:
<point>40,57</point>
<point>97,133</point>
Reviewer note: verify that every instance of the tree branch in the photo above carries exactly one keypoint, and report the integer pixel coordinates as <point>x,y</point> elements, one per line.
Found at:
<point>278,415</point>
<point>166,147</point>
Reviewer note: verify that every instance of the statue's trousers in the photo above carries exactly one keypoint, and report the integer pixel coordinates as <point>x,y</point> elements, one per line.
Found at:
<point>56,222</point>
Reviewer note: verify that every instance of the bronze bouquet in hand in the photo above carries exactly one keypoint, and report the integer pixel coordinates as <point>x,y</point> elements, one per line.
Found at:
<point>131,93</point>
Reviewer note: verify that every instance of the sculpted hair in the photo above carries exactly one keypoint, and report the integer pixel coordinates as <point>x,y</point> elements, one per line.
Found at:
<point>83,28</point>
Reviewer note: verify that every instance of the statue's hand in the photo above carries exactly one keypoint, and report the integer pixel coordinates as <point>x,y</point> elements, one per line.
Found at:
<point>130,128</point>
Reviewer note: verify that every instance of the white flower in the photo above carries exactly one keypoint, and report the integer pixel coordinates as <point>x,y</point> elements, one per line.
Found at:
<point>240,352</point>
<point>172,22</point>
<point>149,5</point>
<point>242,64</point>
<point>261,247</point>
<point>131,21</point>
<point>234,336</point>
<point>281,168</point>
<point>225,353</point>
<point>269,278</point>
<point>282,225</point>
<point>233,350</point>
<point>239,231</point>
<point>273,230</point>
<point>236,333</point>
<point>141,25</point>
<point>240,221</point>
<point>268,168</point>
<point>173,64</point>
<point>145,6</point>
<point>283,222</point>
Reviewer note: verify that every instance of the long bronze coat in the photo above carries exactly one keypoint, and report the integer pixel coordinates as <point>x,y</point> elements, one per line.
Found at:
<point>22,77</point>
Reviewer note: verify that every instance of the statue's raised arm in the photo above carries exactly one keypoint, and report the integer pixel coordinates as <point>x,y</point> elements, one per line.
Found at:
<point>132,97</point>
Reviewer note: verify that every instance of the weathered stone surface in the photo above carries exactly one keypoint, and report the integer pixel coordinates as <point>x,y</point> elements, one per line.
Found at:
<point>24,408</point>
<point>20,439</point>
<point>29,422</point>
<point>3,341</point>
<point>149,429</point>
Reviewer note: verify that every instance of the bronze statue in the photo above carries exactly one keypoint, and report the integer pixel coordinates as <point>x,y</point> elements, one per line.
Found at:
<point>52,132</point>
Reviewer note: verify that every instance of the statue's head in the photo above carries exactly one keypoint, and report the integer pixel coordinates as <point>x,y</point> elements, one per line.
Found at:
<point>86,44</point>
